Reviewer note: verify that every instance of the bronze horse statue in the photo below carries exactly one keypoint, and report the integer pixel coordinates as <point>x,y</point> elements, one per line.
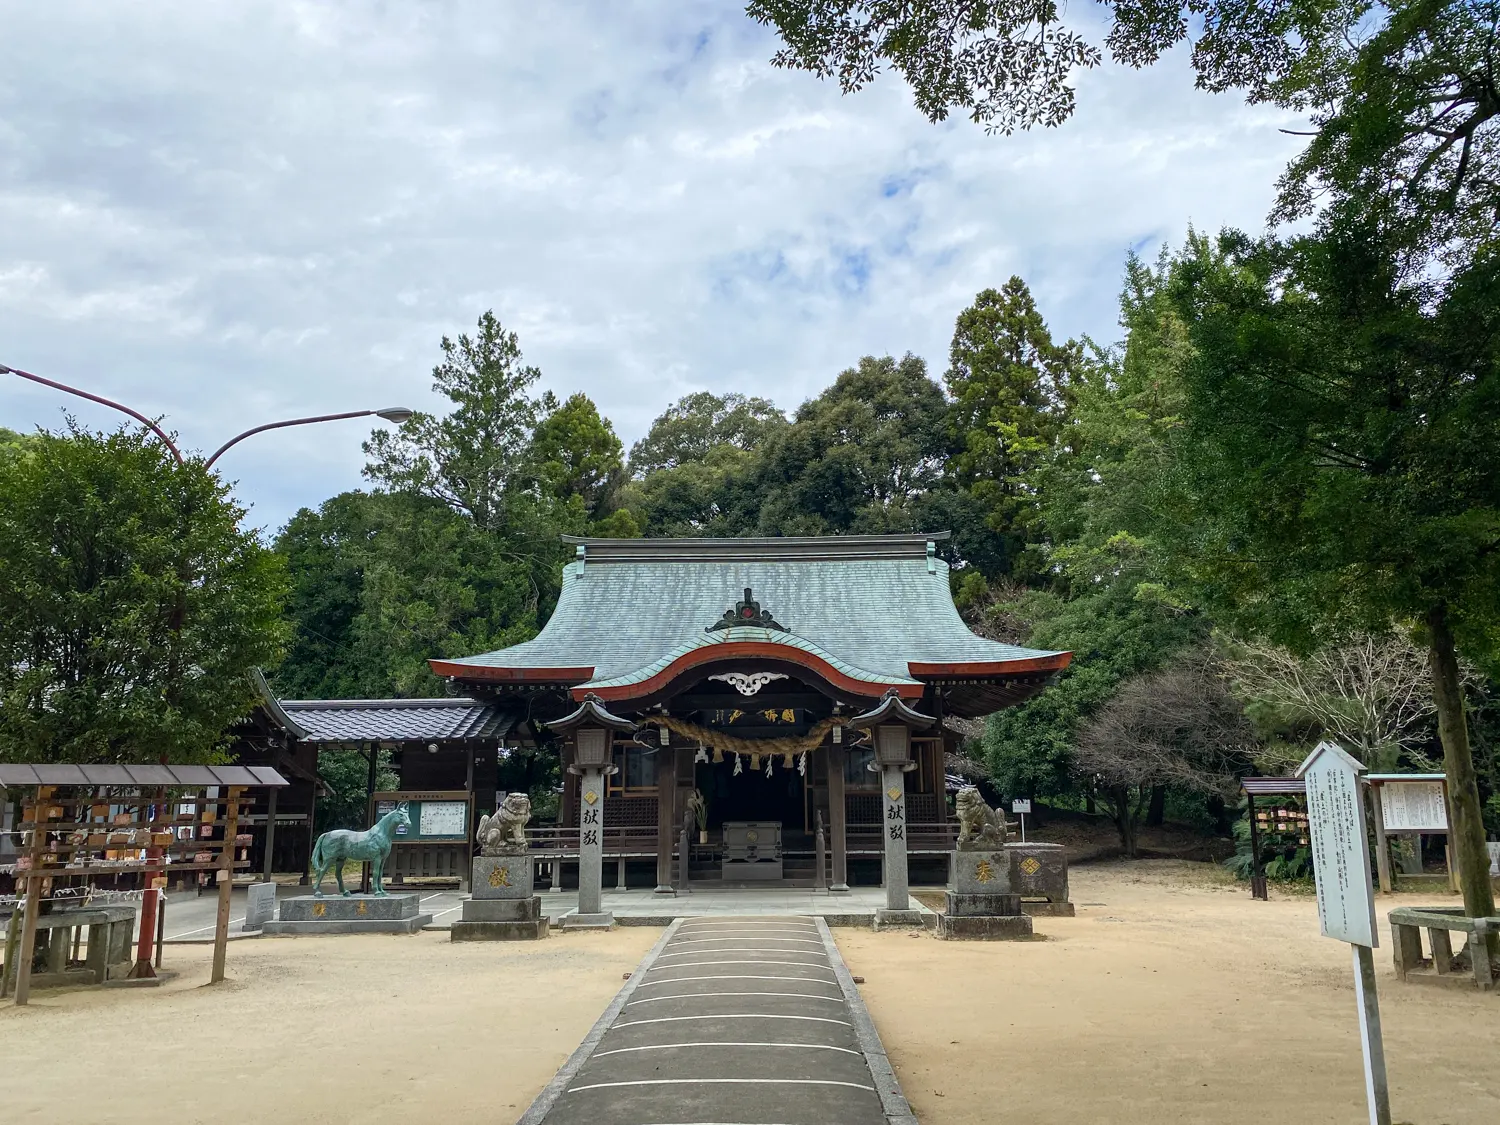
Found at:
<point>371,846</point>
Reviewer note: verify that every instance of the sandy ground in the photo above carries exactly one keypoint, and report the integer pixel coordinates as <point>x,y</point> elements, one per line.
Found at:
<point>1176,1000</point>
<point>366,1028</point>
<point>1170,998</point>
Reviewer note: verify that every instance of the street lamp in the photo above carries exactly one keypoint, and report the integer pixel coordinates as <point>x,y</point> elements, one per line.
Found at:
<point>396,414</point>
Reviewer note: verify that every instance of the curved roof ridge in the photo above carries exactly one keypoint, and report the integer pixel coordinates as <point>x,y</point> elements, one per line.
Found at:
<point>741,634</point>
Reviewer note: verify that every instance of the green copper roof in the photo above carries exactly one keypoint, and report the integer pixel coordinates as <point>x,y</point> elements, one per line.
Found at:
<point>870,605</point>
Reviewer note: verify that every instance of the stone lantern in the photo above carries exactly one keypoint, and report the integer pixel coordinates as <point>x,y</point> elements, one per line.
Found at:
<point>891,724</point>
<point>591,729</point>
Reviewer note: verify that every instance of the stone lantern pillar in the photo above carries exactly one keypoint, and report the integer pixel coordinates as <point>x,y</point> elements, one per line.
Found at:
<point>892,723</point>
<point>591,730</point>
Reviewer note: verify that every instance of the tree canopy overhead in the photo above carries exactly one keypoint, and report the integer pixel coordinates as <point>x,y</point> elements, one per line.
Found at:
<point>132,604</point>
<point>1402,95</point>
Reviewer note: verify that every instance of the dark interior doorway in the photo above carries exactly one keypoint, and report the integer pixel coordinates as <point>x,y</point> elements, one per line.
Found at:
<point>752,795</point>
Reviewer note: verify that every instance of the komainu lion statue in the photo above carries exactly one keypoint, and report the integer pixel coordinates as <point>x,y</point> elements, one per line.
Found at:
<point>979,826</point>
<point>505,832</point>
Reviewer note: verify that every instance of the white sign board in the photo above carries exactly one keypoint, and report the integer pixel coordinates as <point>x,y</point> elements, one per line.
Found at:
<point>1021,805</point>
<point>1413,806</point>
<point>442,818</point>
<point>1340,852</point>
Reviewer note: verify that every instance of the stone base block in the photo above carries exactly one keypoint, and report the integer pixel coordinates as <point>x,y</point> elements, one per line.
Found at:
<point>349,926</point>
<point>576,921</point>
<point>348,914</point>
<point>529,930</point>
<point>1049,909</point>
<point>1038,871</point>
<point>983,906</point>
<point>503,876</point>
<point>503,909</point>
<point>897,919</point>
<point>1010,928</point>
<point>981,873</point>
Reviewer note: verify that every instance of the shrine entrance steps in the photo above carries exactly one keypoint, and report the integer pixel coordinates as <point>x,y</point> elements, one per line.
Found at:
<point>737,1021</point>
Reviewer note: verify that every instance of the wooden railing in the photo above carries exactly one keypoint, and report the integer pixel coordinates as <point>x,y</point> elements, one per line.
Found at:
<point>627,840</point>
<point>624,840</point>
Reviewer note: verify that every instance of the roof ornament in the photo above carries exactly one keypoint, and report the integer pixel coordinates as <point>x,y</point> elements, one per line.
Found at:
<point>746,612</point>
<point>749,684</point>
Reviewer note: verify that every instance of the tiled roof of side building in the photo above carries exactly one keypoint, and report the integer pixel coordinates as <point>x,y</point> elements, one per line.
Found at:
<point>878,604</point>
<point>396,720</point>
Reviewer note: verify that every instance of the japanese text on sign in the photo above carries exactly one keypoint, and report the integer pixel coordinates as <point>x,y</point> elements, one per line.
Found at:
<point>1413,806</point>
<point>1340,852</point>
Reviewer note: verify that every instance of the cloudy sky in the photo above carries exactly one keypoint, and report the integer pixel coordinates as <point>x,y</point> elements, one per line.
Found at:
<point>230,213</point>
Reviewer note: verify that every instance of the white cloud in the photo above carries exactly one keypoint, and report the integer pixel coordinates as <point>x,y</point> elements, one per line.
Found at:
<point>234,213</point>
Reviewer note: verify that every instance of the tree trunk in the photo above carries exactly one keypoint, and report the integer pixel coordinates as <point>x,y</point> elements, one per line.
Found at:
<point>1467,829</point>
<point>1158,809</point>
<point>1220,812</point>
<point>1088,802</point>
<point>1124,817</point>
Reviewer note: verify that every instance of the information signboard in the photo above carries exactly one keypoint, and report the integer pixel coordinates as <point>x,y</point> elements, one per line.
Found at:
<point>436,817</point>
<point>1340,851</point>
<point>1021,805</point>
<point>1413,806</point>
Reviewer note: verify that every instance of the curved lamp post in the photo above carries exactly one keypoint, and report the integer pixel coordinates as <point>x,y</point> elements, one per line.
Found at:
<point>396,414</point>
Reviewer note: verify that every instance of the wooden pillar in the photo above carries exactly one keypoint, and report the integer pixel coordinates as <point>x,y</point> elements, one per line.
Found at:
<point>312,831</point>
<point>226,881</point>
<point>270,856</point>
<point>33,906</point>
<point>666,817</point>
<point>1382,845</point>
<point>838,817</point>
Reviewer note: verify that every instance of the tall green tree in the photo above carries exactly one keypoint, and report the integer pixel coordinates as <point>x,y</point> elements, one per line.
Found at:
<point>470,458</point>
<point>1336,462</point>
<point>382,582</point>
<point>132,603</point>
<point>700,423</point>
<point>574,453</point>
<point>1010,386</point>
<point>860,456</point>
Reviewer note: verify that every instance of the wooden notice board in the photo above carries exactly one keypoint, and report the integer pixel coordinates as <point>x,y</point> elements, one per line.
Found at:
<point>441,817</point>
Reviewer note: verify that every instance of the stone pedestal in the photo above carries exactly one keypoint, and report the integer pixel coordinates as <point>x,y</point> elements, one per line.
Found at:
<point>260,905</point>
<point>502,905</point>
<point>982,902</point>
<point>503,877</point>
<point>1040,871</point>
<point>348,914</point>
<point>575,920</point>
<point>888,919</point>
<point>501,919</point>
<point>982,928</point>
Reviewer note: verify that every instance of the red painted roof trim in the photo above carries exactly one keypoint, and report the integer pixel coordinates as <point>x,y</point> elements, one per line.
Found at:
<point>1055,663</point>
<point>495,674</point>
<point>745,650</point>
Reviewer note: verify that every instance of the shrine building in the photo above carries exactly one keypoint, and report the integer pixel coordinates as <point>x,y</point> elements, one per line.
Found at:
<point>784,683</point>
<point>768,688</point>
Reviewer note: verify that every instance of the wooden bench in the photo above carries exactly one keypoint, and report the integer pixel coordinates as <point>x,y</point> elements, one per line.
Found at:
<point>1407,924</point>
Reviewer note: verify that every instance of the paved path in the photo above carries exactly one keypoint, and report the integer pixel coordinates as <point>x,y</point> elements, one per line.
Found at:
<point>733,1021</point>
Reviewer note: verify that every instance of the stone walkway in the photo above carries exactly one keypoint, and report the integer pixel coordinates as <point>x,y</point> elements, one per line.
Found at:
<point>734,1021</point>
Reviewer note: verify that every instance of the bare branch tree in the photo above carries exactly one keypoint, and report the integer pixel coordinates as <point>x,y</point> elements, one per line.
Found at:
<point>1180,727</point>
<point>1372,694</point>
